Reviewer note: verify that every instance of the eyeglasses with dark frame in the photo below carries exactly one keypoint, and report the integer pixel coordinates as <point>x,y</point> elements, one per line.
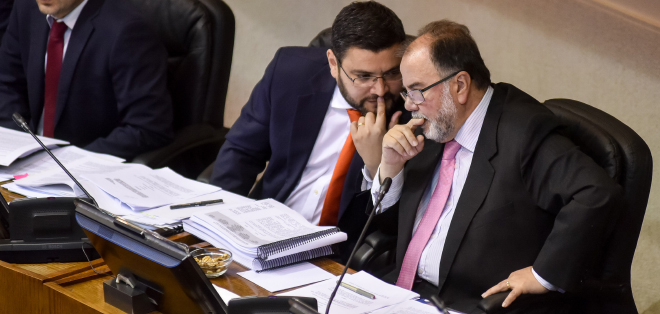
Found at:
<point>364,81</point>
<point>416,95</point>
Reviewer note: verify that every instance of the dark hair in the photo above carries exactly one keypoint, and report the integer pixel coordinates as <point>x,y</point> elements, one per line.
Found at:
<point>366,25</point>
<point>454,49</point>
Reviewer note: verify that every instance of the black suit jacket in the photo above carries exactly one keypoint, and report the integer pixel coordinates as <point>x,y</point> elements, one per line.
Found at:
<point>112,95</point>
<point>279,125</point>
<point>531,198</point>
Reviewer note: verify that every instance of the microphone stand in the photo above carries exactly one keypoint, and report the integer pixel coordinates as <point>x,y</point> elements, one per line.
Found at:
<point>381,193</point>
<point>439,304</point>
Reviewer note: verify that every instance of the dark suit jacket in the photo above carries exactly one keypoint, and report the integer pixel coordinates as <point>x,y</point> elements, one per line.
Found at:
<point>5,10</point>
<point>112,96</point>
<point>531,198</point>
<point>279,125</point>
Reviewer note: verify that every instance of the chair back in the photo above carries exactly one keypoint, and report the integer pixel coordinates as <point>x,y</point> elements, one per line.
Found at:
<point>199,38</point>
<point>627,159</point>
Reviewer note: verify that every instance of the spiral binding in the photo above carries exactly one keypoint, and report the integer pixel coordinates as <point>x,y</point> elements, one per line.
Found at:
<point>293,258</point>
<point>284,245</point>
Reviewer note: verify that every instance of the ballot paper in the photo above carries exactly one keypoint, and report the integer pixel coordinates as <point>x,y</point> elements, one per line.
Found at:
<point>287,277</point>
<point>42,162</point>
<point>15,144</point>
<point>164,215</point>
<point>412,307</point>
<point>143,188</point>
<point>348,302</point>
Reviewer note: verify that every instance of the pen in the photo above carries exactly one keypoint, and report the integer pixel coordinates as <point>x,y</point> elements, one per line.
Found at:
<point>358,291</point>
<point>196,204</point>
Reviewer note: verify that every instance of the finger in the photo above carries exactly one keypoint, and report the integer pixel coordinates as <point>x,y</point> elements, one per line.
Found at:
<point>380,111</point>
<point>360,121</point>
<point>369,119</point>
<point>511,297</point>
<point>495,289</point>
<point>414,123</point>
<point>389,142</point>
<point>354,129</point>
<point>403,138</point>
<point>420,145</point>
<point>395,119</point>
<point>410,136</point>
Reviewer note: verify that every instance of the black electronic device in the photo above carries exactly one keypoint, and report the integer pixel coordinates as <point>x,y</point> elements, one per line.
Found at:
<point>155,274</point>
<point>385,186</point>
<point>42,230</point>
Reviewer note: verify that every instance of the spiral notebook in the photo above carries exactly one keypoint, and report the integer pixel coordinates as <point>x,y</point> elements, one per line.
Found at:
<point>263,234</point>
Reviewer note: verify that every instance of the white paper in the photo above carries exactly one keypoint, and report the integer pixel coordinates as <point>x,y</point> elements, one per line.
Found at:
<point>15,144</point>
<point>287,277</point>
<point>411,307</point>
<point>225,294</point>
<point>164,215</point>
<point>346,301</point>
<point>144,188</point>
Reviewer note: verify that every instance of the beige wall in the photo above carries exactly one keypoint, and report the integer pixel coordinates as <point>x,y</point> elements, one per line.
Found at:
<point>570,49</point>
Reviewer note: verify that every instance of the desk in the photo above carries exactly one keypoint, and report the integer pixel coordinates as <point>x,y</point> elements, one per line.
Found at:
<point>75,288</point>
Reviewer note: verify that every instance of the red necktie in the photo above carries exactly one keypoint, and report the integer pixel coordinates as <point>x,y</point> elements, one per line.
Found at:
<point>330,213</point>
<point>53,67</point>
<point>430,218</point>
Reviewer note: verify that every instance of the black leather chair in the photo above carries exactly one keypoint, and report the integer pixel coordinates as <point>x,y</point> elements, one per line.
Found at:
<point>199,37</point>
<point>627,159</point>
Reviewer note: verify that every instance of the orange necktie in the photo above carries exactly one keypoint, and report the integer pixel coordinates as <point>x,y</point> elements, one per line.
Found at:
<point>330,213</point>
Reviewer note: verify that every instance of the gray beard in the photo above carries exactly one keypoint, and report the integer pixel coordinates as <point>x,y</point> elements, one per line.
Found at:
<point>440,127</point>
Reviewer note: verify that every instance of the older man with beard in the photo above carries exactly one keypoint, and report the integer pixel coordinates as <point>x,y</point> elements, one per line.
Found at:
<point>491,198</point>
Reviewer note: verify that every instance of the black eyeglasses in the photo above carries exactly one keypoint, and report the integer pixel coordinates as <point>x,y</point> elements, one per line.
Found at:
<point>416,95</point>
<point>365,81</point>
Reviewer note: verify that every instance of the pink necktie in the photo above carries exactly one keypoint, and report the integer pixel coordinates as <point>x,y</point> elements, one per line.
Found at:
<point>53,67</point>
<point>430,218</point>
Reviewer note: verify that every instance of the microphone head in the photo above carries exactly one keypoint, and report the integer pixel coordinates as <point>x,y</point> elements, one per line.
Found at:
<point>385,186</point>
<point>19,120</point>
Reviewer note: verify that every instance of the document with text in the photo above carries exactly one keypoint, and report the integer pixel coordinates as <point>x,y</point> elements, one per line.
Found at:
<point>15,144</point>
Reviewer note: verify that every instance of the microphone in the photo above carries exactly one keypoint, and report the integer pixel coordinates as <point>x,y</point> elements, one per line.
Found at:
<point>439,304</point>
<point>21,122</point>
<point>384,188</point>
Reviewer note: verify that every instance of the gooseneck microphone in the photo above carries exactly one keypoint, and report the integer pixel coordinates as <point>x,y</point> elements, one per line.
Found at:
<point>21,122</point>
<point>385,186</point>
<point>439,304</point>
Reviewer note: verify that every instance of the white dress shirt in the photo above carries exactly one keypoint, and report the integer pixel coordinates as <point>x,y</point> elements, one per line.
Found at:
<point>70,21</point>
<point>308,196</point>
<point>429,263</point>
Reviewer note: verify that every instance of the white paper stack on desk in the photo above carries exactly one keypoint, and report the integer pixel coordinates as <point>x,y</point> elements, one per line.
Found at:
<point>15,144</point>
<point>263,234</point>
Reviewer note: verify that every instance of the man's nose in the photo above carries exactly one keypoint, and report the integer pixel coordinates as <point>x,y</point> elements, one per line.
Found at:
<point>410,105</point>
<point>380,87</point>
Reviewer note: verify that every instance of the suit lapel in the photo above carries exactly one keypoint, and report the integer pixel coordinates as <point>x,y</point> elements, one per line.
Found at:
<point>36,65</point>
<point>79,37</point>
<point>309,116</point>
<point>476,186</point>
<point>418,174</point>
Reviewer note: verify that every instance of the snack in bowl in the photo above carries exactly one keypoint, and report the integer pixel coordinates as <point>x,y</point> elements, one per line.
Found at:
<point>214,262</point>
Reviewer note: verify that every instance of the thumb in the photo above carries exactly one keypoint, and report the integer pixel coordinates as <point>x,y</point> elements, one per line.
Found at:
<point>395,119</point>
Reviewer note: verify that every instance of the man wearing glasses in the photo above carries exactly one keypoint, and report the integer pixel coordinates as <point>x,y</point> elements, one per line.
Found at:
<point>491,198</point>
<point>317,118</point>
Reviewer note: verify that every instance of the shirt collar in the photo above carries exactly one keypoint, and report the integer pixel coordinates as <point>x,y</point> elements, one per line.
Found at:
<point>468,135</point>
<point>338,101</point>
<point>70,19</point>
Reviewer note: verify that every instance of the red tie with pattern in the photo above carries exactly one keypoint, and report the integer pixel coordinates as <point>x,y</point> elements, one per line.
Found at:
<point>430,218</point>
<point>53,67</point>
<point>330,212</point>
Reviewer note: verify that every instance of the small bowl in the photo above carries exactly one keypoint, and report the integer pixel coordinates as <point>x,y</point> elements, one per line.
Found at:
<point>214,262</point>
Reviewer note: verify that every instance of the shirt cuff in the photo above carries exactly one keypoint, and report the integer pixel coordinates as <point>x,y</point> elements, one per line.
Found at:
<point>545,283</point>
<point>392,196</point>
<point>366,182</point>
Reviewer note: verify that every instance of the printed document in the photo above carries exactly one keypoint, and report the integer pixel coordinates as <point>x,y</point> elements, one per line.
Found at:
<point>347,301</point>
<point>15,144</point>
<point>142,188</point>
<point>287,277</point>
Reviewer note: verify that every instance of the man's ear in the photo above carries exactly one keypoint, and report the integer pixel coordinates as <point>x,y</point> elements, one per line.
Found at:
<point>332,61</point>
<point>463,83</point>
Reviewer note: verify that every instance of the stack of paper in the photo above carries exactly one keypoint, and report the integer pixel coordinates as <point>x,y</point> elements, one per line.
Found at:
<point>347,301</point>
<point>263,234</point>
<point>15,144</point>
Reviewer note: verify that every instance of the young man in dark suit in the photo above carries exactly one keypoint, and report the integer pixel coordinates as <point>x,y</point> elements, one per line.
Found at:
<point>312,110</point>
<point>86,71</point>
<point>491,198</point>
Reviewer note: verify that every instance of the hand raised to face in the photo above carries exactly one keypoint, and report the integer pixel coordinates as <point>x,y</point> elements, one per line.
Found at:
<point>368,132</point>
<point>400,145</point>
